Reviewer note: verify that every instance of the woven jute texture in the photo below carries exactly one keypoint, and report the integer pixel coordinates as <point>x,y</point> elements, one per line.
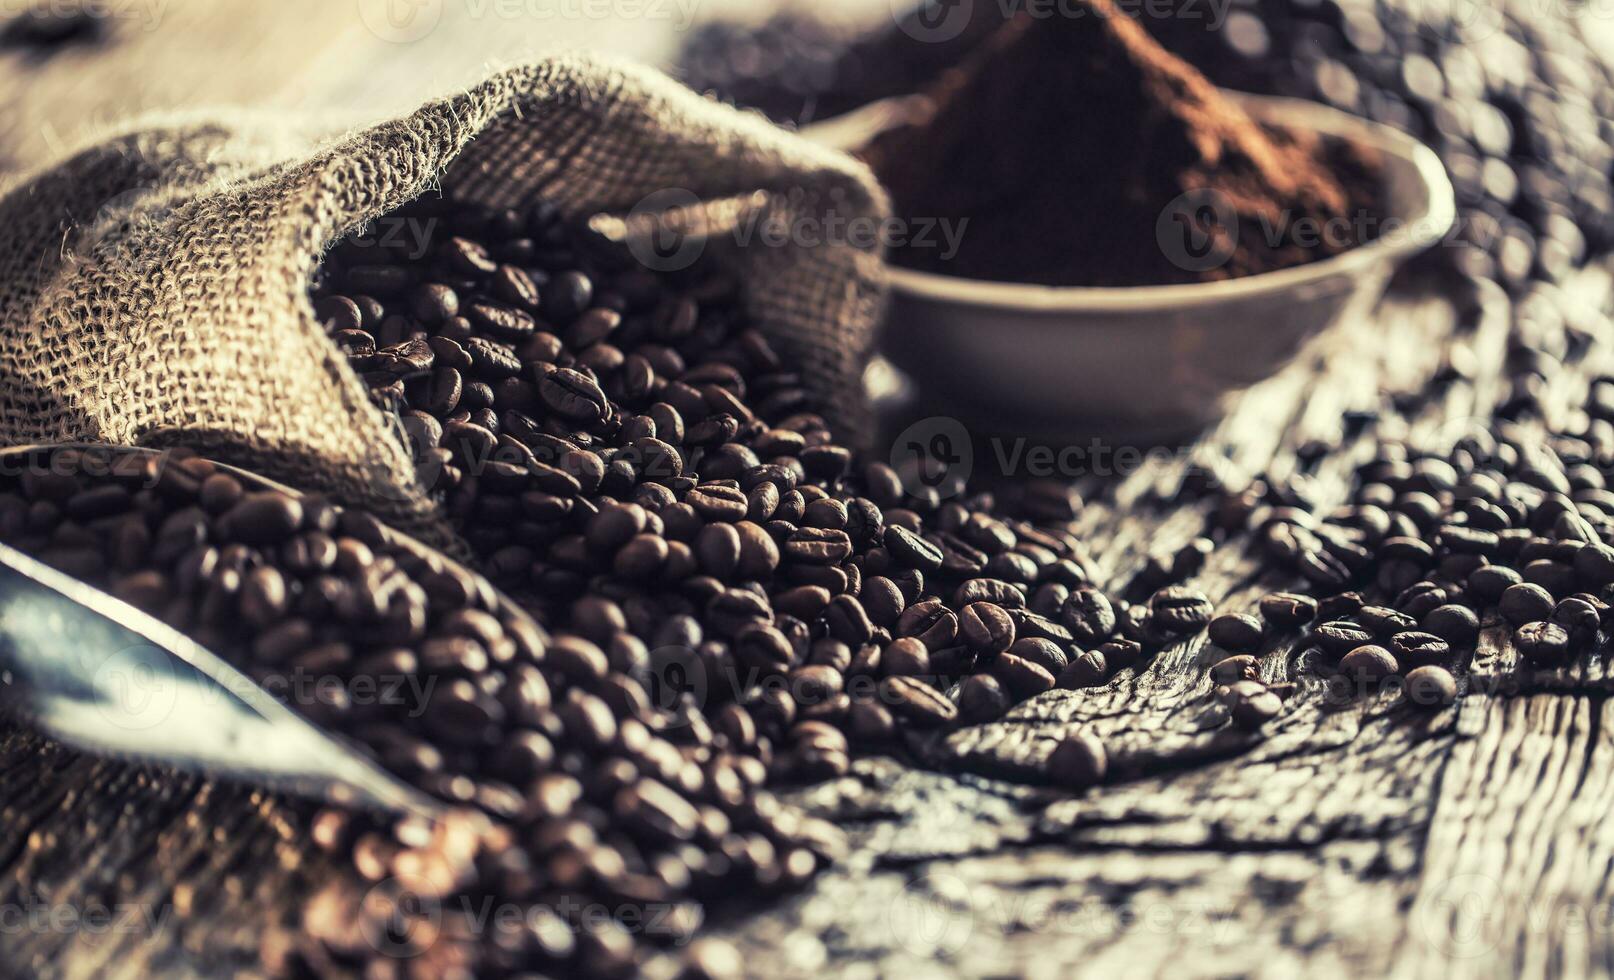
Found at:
<point>153,287</point>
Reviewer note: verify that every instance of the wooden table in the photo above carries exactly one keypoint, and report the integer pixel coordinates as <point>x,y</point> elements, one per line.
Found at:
<point>1356,837</point>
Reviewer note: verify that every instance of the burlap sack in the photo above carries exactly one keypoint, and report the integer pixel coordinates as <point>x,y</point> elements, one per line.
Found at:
<point>153,287</point>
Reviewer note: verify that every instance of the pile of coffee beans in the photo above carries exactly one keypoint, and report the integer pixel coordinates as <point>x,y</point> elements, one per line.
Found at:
<point>733,594</point>
<point>423,666</point>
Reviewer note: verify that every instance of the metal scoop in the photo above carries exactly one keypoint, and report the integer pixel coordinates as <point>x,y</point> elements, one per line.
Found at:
<point>103,676</point>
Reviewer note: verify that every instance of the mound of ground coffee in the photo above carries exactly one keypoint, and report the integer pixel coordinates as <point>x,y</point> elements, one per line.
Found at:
<point>1078,152</point>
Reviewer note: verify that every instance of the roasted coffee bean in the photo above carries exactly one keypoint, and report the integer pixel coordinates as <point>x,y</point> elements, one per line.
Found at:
<point>1455,624</point>
<point>1078,761</point>
<point>981,699</point>
<point>1368,664</point>
<point>1525,603</point>
<point>986,627</point>
<point>1088,615</point>
<point>1340,637</point>
<point>1236,633</point>
<point>1251,705</point>
<point>1413,647</point>
<point>911,550</point>
<point>1384,621</point>
<point>1287,610</point>
<point>1086,668</point>
<point>1430,686</point>
<point>930,622</point>
<point>573,395</point>
<point>1045,653</point>
<point>912,700</point>
<point>1543,644</point>
<point>906,656</point>
<point>1021,678</point>
<point>1179,610</point>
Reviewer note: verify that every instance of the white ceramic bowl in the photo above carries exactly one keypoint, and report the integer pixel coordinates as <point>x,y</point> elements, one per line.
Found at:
<point>1146,361</point>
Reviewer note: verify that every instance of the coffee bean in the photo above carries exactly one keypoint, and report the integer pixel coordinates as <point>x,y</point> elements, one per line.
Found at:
<point>986,628</point>
<point>911,550</point>
<point>1368,664</point>
<point>930,622</point>
<point>1045,653</point>
<point>265,517</point>
<point>1236,633</point>
<point>1251,705</point>
<point>1340,637</point>
<point>1085,669</point>
<point>573,395</point>
<point>1455,624</point>
<point>915,701</point>
<point>981,699</point>
<point>1286,610</point>
<point>1078,761</point>
<point>1179,610</point>
<point>1088,615</point>
<point>1525,603</point>
<point>1430,686</point>
<point>1541,643</point>
<point>1413,647</point>
<point>1021,678</point>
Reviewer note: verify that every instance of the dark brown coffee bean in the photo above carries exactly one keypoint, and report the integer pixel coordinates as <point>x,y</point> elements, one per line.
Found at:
<point>916,702</point>
<point>1085,669</point>
<point>1287,610</point>
<point>1543,644</point>
<point>1236,633</point>
<point>1179,610</point>
<point>986,627</point>
<point>1368,664</point>
<point>265,517</point>
<point>1046,654</point>
<point>1455,624</point>
<point>1413,647</point>
<point>1430,686</point>
<point>1088,615</point>
<point>911,550</point>
<point>930,622</point>
<point>1021,678</point>
<point>573,395</point>
<point>1078,761</point>
<point>906,656</point>
<point>1525,603</point>
<point>1251,705</point>
<point>981,699</point>
<point>1340,637</point>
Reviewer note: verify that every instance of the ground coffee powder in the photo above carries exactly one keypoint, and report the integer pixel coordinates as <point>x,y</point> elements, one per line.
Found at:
<point>1081,153</point>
